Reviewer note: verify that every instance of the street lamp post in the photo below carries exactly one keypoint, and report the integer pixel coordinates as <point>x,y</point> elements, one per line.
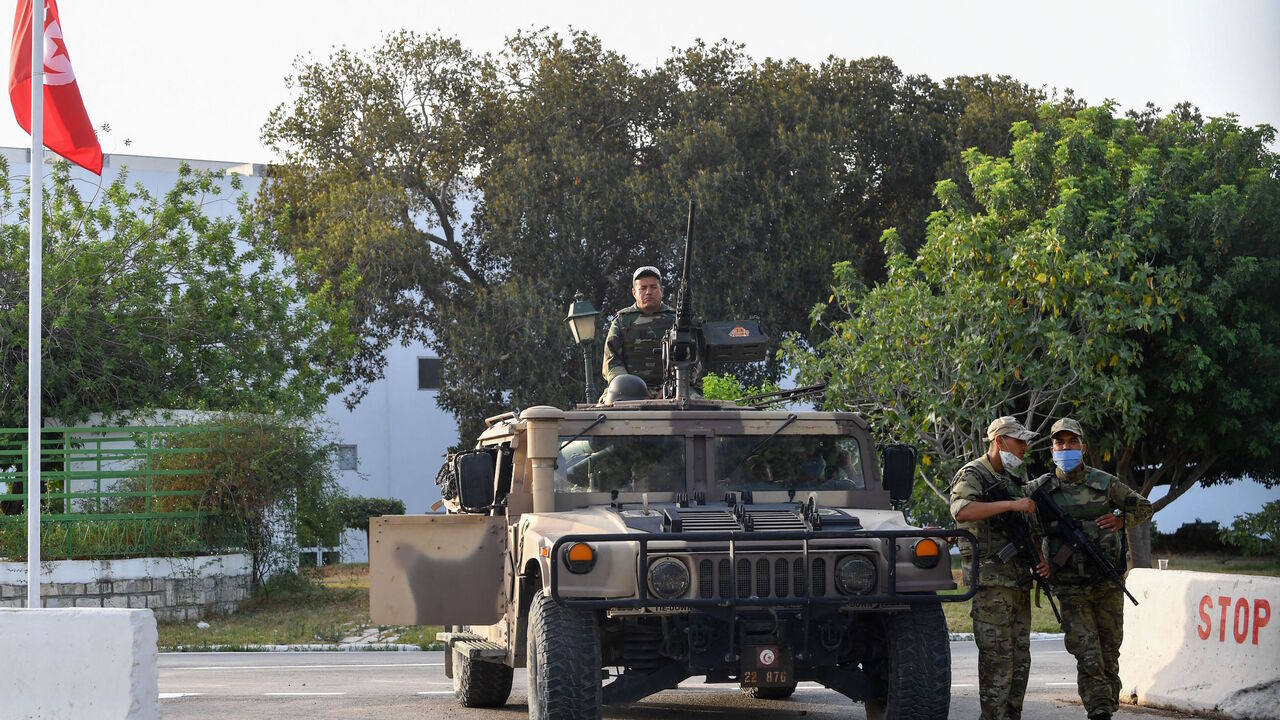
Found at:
<point>582,323</point>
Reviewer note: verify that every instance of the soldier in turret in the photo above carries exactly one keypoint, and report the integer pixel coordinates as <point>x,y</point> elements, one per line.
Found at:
<point>1092,604</point>
<point>634,343</point>
<point>1002,604</point>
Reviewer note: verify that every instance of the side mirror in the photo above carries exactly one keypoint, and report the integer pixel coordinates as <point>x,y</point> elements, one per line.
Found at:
<point>474,471</point>
<point>899,471</point>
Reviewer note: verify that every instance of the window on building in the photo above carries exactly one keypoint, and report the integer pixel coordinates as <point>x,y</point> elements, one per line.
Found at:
<point>346,457</point>
<point>428,373</point>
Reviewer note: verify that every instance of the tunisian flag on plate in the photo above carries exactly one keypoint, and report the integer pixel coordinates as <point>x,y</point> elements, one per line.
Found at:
<point>67,130</point>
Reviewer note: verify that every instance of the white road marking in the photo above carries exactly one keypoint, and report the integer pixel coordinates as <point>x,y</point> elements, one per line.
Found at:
<point>300,667</point>
<point>435,692</point>
<point>1066,684</point>
<point>960,685</point>
<point>170,696</point>
<point>302,694</point>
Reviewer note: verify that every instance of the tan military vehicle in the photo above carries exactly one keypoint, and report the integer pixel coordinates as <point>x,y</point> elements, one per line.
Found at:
<point>618,548</point>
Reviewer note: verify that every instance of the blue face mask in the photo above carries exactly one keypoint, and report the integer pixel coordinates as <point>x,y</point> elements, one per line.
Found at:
<point>1068,460</point>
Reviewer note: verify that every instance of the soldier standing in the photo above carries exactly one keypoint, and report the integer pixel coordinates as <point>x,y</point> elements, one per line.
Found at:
<point>1092,605</point>
<point>1002,604</point>
<point>634,343</point>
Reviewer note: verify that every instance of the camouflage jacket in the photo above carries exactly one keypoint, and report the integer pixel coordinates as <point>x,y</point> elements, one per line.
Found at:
<point>973,482</point>
<point>634,344</point>
<point>1087,494</point>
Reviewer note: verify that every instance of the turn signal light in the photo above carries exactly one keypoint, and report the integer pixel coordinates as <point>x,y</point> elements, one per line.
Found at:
<point>579,558</point>
<point>925,553</point>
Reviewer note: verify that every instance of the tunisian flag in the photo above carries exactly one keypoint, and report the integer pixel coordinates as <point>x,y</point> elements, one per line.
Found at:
<point>67,130</point>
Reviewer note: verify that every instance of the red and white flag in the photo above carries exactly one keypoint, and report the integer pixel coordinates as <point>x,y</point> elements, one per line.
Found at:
<point>67,130</point>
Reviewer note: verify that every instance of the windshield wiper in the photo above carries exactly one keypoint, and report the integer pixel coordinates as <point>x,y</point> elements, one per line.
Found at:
<point>760,445</point>
<point>599,419</point>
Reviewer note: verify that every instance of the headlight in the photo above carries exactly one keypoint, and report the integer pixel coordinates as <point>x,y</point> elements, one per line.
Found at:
<point>925,553</point>
<point>668,578</point>
<point>579,558</point>
<point>855,575</point>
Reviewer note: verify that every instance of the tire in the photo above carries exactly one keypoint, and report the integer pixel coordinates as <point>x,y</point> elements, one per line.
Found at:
<point>769,693</point>
<point>563,658</point>
<point>478,684</point>
<point>915,680</point>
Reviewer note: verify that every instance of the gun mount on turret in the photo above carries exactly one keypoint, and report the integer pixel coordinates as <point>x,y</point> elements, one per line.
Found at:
<point>692,342</point>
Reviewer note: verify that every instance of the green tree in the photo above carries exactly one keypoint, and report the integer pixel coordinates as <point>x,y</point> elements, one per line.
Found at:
<point>431,193</point>
<point>150,302</point>
<point>1113,270</point>
<point>1207,192</point>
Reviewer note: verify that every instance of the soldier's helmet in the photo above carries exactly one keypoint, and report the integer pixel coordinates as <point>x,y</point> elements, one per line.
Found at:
<point>625,387</point>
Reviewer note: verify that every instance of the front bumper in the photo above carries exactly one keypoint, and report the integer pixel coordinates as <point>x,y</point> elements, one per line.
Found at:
<point>804,546</point>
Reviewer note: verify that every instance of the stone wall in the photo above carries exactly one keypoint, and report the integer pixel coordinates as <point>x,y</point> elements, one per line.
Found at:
<point>172,588</point>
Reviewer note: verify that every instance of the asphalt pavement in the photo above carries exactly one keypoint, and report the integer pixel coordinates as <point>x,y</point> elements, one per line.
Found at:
<point>396,685</point>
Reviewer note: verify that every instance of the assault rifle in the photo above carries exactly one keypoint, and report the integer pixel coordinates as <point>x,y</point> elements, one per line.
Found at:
<point>1021,543</point>
<point>1070,529</point>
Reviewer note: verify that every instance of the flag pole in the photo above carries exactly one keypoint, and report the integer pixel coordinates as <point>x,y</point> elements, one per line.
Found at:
<point>35,304</point>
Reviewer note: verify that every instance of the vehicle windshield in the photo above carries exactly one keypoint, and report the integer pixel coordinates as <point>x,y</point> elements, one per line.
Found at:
<point>634,463</point>
<point>799,462</point>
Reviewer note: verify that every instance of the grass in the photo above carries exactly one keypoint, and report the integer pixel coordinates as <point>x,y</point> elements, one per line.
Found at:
<point>1233,564</point>
<point>316,607</point>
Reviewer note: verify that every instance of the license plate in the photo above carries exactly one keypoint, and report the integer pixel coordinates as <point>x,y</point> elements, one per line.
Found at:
<point>766,666</point>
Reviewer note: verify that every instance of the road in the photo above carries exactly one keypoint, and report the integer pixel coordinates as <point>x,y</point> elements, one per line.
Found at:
<point>392,686</point>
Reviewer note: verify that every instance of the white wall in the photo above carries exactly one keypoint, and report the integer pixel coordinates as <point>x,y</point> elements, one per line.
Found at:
<point>401,437</point>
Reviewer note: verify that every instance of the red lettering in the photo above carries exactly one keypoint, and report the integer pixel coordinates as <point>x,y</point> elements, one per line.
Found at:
<point>1242,612</point>
<point>1206,623</point>
<point>1261,616</point>
<point>1224,602</point>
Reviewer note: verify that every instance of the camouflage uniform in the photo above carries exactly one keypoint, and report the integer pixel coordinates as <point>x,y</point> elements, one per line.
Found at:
<point>1092,606</point>
<point>1001,606</point>
<point>634,344</point>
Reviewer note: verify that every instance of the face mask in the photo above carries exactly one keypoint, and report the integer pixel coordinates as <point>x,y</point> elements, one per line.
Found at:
<point>1068,460</point>
<point>1009,460</point>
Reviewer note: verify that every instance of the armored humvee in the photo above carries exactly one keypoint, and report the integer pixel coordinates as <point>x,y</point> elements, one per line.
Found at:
<point>616,549</point>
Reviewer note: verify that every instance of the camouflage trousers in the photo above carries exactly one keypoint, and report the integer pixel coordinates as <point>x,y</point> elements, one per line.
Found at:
<point>1002,632</point>
<point>1093,620</point>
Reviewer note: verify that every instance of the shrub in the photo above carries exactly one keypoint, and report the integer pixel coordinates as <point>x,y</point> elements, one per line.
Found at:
<point>276,479</point>
<point>1256,533</point>
<point>355,512</point>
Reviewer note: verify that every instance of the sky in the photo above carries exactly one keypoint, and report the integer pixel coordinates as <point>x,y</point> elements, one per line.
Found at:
<point>197,80</point>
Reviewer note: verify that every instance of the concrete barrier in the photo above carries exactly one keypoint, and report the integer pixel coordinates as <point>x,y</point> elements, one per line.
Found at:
<point>1202,643</point>
<point>79,663</point>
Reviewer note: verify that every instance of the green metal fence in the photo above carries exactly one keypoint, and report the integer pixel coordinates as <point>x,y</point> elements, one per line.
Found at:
<point>114,492</point>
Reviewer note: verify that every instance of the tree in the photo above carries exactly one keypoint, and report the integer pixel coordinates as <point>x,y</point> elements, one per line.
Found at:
<point>1074,288</point>
<point>430,193</point>
<point>149,302</point>
<point>1208,194</point>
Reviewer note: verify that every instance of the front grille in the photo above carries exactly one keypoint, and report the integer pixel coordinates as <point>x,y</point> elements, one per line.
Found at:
<point>761,577</point>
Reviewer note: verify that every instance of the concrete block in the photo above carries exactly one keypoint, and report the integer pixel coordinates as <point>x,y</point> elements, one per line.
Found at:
<point>115,655</point>
<point>88,602</point>
<point>1202,643</point>
<point>137,601</point>
<point>115,601</point>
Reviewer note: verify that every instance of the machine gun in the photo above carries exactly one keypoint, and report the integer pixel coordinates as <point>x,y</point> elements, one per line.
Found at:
<point>691,342</point>
<point>1021,543</point>
<point>1072,532</point>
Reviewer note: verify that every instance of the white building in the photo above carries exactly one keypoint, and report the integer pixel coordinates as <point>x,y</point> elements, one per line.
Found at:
<point>394,441</point>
